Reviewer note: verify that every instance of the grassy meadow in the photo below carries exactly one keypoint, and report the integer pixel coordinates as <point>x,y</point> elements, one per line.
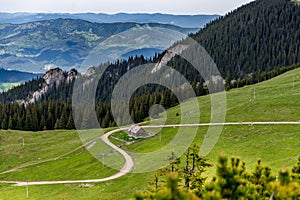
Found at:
<point>59,155</point>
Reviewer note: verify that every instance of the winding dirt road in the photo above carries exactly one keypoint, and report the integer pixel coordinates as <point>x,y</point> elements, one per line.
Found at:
<point>128,159</point>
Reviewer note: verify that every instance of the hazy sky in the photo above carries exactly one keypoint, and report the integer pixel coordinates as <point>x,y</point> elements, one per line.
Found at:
<point>129,6</point>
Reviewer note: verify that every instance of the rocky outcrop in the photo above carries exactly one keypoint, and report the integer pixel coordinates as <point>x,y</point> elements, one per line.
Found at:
<point>178,49</point>
<point>52,78</point>
<point>90,71</point>
<point>72,74</point>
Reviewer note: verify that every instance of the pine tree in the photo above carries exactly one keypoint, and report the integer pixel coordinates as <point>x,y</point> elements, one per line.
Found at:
<point>11,123</point>
<point>105,121</point>
<point>50,121</point>
<point>63,118</point>
<point>28,121</point>
<point>4,124</point>
<point>170,192</point>
<point>57,123</point>
<point>70,124</point>
<point>296,170</point>
<point>34,120</point>
<point>42,123</point>
<point>20,120</point>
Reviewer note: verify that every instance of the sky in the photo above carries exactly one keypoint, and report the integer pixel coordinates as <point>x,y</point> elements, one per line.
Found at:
<point>117,6</point>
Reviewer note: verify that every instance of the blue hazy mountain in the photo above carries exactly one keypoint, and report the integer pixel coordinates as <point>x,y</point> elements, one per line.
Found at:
<point>146,52</point>
<point>187,21</point>
<point>12,76</point>
<point>66,43</point>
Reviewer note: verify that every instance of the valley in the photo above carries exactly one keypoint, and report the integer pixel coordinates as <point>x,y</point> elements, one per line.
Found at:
<point>150,106</point>
<point>236,140</point>
<point>66,43</point>
<point>186,21</point>
<point>13,78</point>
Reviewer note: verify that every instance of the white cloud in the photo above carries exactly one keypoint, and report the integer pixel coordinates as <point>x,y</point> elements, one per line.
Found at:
<point>49,66</point>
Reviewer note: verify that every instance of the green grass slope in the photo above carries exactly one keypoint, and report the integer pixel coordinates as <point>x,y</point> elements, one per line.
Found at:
<point>276,145</point>
<point>273,100</point>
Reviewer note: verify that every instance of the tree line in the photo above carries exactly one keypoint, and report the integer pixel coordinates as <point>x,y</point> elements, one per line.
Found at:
<point>54,110</point>
<point>251,44</point>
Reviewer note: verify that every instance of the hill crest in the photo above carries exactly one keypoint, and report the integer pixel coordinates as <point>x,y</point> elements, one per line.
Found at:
<point>39,46</point>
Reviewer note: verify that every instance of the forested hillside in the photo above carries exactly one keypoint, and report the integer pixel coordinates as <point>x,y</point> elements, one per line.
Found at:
<point>254,43</point>
<point>256,37</point>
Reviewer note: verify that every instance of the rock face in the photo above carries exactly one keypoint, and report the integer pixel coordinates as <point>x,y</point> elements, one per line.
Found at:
<point>90,71</point>
<point>168,56</point>
<point>52,78</point>
<point>72,74</point>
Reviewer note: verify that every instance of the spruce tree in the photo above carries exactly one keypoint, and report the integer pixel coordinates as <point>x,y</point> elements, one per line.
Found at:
<point>70,124</point>
<point>28,121</point>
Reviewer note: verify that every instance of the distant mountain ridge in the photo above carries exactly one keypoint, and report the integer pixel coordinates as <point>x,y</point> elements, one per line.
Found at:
<point>40,46</point>
<point>187,21</point>
<point>12,76</point>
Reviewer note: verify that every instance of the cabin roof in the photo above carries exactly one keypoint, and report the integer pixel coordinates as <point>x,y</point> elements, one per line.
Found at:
<point>134,129</point>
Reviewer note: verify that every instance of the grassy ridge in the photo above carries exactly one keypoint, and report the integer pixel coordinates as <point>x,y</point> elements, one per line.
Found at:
<point>123,188</point>
<point>48,155</point>
<point>38,146</point>
<point>276,145</point>
<point>273,100</point>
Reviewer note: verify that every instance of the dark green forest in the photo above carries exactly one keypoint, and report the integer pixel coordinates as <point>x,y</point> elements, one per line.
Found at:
<point>256,37</point>
<point>251,44</point>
